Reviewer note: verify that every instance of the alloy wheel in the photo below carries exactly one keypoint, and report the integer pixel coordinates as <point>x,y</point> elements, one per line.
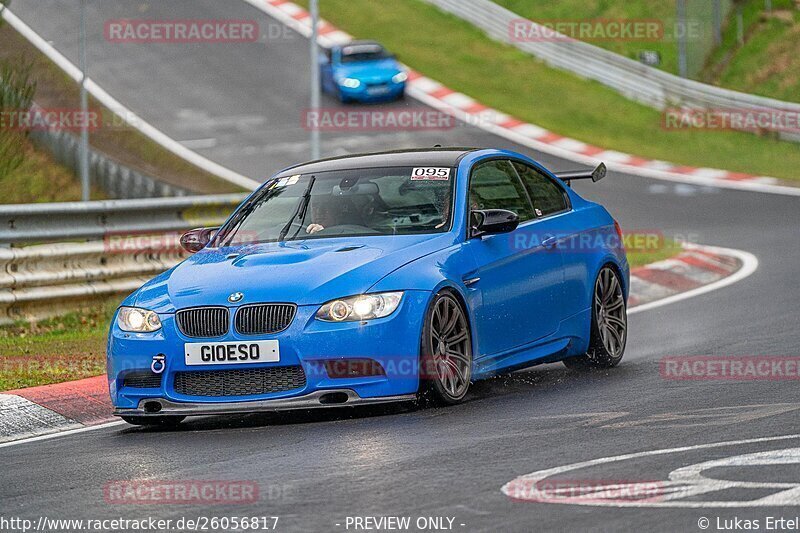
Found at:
<point>609,308</point>
<point>450,347</point>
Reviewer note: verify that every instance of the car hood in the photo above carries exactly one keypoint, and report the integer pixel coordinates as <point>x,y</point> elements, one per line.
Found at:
<point>308,272</point>
<point>381,70</point>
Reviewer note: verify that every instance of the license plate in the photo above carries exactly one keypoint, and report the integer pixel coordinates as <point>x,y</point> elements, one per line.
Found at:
<point>378,90</point>
<point>231,353</point>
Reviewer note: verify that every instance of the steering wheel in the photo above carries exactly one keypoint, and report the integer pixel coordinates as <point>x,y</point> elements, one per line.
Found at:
<point>345,229</point>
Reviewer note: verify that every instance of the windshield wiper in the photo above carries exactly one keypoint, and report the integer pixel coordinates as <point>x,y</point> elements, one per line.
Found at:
<point>301,208</point>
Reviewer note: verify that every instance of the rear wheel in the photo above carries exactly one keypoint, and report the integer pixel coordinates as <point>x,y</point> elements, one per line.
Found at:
<point>163,421</point>
<point>609,332</point>
<point>446,362</point>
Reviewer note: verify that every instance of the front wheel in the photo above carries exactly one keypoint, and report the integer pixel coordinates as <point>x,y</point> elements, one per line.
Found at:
<point>446,362</point>
<point>609,329</point>
<point>162,421</point>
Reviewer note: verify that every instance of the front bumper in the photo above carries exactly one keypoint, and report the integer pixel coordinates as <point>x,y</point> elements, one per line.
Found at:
<point>314,400</point>
<point>367,93</point>
<point>393,342</point>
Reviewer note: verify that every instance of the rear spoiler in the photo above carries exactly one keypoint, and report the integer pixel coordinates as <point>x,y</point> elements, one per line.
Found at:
<point>594,175</point>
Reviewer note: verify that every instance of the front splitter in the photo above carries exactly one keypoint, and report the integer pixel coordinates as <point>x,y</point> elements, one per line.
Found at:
<point>314,400</point>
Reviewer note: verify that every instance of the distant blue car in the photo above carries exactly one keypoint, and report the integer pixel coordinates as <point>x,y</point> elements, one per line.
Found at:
<point>375,278</point>
<point>362,71</point>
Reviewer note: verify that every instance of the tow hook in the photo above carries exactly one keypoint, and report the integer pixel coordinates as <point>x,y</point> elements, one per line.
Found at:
<point>158,365</point>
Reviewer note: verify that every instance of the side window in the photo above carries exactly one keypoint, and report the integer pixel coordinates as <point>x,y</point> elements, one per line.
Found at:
<point>495,185</point>
<point>547,197</point>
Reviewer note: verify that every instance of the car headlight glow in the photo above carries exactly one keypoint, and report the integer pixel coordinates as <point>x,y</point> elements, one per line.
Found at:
<point>361,307</point>
<point>400,77</point>
<point>138,320</point>
<point>350,83</point>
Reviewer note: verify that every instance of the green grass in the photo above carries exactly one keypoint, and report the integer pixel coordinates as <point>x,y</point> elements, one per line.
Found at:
<point>631,10</point>
<point>453,52</point>
<point>768,64</point>
<point>644,249</point>
<point>56,350</point>
<point>41,179</point>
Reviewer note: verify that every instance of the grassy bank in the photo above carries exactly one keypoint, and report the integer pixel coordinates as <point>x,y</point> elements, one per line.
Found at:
<point>768,63</point>
<point>55,90</point>
<point>56,350</point>
<point>609,10</point>
<point>461,56</point>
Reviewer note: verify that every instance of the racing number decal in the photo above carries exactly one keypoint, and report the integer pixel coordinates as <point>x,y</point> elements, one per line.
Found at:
<point>430,173</point>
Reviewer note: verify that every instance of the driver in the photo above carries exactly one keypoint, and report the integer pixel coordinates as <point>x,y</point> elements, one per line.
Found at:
<point>323,215</point>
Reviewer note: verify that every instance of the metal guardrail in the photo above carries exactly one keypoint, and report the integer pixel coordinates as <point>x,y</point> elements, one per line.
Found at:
<point>647,85</point>
<point>127,247</point>
<point>31,223</point>
<point>113,178</point>
<point>46,280</point>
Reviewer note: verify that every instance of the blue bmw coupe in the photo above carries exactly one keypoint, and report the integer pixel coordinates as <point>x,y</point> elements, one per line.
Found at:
<point>375,278</point>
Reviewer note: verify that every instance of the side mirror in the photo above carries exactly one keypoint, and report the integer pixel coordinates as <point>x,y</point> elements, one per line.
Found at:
<point>195,240</point>
<point>492,221</point>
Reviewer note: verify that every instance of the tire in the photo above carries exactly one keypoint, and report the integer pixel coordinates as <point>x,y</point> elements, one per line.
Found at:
<point>446,351</point>
<point>609,328</point>
<point>162,421</point>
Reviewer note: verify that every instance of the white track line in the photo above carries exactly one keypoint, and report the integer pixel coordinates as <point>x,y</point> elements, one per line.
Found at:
<point>123,112</point>
<point>534,477</point>
<point>62,433</point>
<point>749,265</point>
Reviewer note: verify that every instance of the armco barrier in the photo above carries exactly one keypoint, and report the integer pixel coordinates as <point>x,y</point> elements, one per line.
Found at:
<point>31,223</point>
<point>46,280</point>
<point>117,181</point>
<point>647,85</point>
<point>126,247</point>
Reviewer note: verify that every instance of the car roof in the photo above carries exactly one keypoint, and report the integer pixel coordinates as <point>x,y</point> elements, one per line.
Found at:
<point>416,157</point>
<point>360,43</point>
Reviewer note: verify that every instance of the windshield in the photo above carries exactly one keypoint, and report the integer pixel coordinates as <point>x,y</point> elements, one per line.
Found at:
<point>363,52</point>
<point>382,201</point>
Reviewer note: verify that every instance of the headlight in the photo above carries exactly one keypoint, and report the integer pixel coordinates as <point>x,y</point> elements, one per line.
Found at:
<point>350,83</point>
<point>138,320</point>
<point>400,77</point>
<point>362,307</point>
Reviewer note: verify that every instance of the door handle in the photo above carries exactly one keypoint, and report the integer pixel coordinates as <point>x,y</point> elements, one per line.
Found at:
<point>550,242</point>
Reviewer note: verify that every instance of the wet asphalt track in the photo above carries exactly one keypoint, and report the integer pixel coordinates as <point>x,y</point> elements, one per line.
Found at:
<point>316,469</point>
